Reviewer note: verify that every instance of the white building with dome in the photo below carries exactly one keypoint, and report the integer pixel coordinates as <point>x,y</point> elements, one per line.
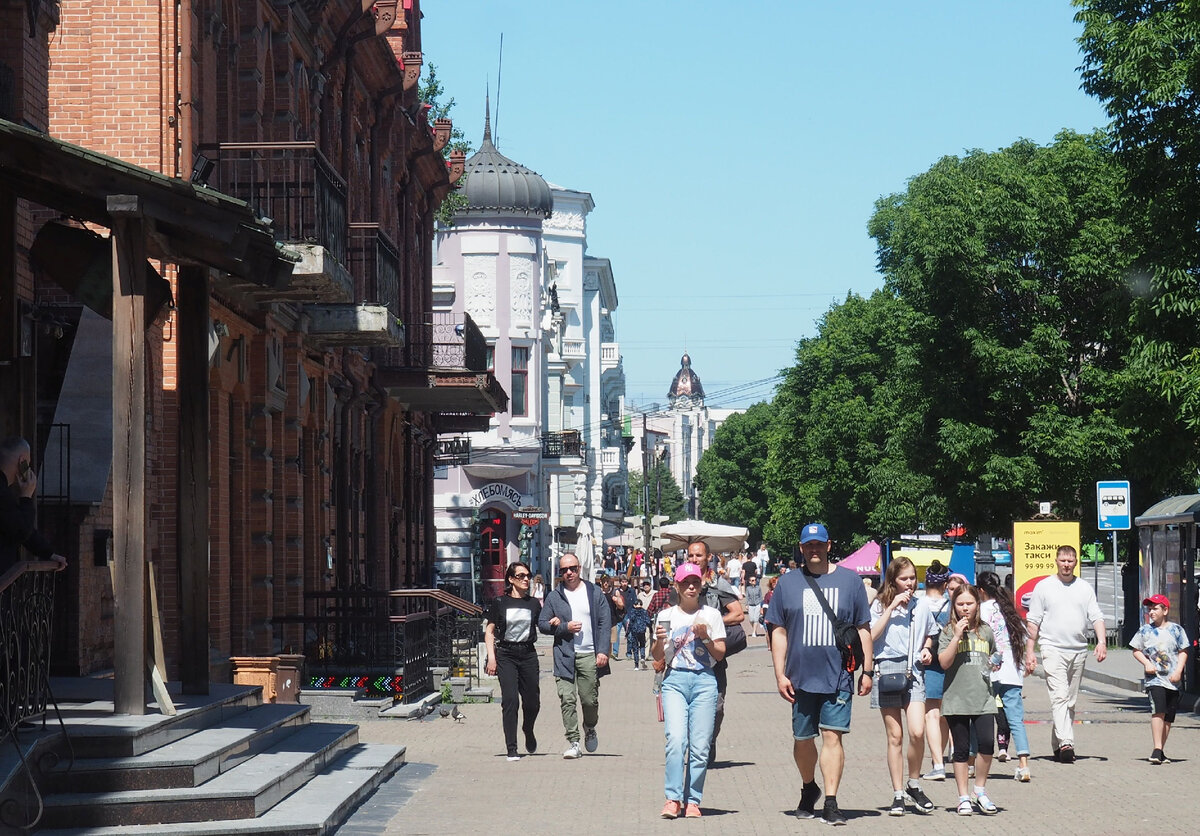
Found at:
<point>680,434</point>
<point>516,263</point>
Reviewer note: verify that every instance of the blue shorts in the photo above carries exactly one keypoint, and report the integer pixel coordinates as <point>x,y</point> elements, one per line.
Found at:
<point>935,680</point>
<point>811,712</point>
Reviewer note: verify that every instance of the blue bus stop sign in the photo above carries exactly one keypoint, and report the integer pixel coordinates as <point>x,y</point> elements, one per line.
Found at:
<point>1112,506</point>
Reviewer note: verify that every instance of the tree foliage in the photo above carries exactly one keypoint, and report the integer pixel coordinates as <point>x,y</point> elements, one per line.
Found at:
<point>430,91</point>
<point>732,473</point>
<point>845,419</point>
<point>666,497</point>
<point>1015,264</point>
<point>1002,363</point>
<point>1143,61</point>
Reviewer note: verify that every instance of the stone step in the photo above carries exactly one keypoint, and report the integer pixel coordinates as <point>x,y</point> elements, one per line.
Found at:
<point>187,762</point>
<point>246,791</point>
<point>316,809</point>
<point>96,732</point>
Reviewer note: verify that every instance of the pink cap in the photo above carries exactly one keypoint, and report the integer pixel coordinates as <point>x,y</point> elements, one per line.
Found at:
<point>687,570</point>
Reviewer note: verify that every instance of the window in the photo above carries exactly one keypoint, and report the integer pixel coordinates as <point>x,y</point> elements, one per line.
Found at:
<point>520,382</point>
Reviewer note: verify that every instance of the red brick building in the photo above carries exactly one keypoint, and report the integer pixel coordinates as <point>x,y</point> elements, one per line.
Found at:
<point>326,388</point>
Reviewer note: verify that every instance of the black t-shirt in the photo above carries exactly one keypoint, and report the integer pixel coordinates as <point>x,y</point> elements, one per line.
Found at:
<point>515,619</point>
<point>750,569</point>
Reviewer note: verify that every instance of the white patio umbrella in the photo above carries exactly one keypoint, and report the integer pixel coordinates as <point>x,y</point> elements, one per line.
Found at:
<point>720,538</point>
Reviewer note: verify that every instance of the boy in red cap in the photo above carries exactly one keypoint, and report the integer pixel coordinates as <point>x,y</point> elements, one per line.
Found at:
<point>1160,646</point>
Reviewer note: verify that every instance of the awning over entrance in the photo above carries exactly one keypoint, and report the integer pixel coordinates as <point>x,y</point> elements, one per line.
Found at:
<point>186,223</point>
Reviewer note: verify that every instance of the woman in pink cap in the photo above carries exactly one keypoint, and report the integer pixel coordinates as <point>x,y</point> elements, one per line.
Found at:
<point>689,638</point>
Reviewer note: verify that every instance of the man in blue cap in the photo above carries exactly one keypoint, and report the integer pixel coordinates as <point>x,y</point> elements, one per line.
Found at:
<point>810,672</point>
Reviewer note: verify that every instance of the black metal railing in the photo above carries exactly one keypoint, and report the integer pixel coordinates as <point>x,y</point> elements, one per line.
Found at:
<point>447,341</point>
<point>557,445</point>
<point>374,261</point>
<point>26,619</point>
<point>289,182</point>
<point>384,642</point>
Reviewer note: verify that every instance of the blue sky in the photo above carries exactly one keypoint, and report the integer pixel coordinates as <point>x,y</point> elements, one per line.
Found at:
<point>735,150</point>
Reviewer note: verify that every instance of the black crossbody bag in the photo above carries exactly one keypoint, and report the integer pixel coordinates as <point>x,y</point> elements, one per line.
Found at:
<point>845,634</point>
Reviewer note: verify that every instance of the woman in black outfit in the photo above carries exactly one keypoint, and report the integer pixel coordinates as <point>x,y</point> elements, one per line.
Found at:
<point>511,631</point>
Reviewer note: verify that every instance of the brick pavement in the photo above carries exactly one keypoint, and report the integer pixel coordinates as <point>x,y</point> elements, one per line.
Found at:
<point>458,781</point>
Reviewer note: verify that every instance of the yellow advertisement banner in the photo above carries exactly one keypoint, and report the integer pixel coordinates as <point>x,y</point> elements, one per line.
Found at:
<point>1034,547</point>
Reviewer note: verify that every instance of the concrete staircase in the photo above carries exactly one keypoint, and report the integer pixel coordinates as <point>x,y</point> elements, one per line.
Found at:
<point>225,763</point>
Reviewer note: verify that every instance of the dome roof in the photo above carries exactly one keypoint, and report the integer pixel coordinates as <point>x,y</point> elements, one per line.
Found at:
<point>686,390</point>
<point>495,185</point>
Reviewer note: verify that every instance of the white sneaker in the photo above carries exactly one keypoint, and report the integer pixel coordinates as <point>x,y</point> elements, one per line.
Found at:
<point>935,774</point>
<point>573,751</point>
<point>1023,774</point>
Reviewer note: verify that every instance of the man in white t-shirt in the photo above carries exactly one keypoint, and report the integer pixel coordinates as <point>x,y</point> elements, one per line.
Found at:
<point>1060,608</point>
<point>577,614</point>
<point>733,572</point>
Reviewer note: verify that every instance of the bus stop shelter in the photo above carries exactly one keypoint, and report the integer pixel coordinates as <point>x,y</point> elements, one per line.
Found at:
<point>1167,536</point>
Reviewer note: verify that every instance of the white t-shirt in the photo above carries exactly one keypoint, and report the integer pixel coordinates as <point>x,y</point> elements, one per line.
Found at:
<point>690,655</point>
<point>733,571</point>
<point>1062,611</point>
<point>581,610</point>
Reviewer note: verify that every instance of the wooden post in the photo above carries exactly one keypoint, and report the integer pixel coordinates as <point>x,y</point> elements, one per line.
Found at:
<point>10,379</point>
<point>129,452</point>
<point>192,328</point>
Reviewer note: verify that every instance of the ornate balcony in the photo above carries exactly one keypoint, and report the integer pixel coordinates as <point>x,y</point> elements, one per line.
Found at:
<point>610,356</point>
<point>302,193</point>
<point>373,319</point>
<point>443,368</point>
<point>567,444</point>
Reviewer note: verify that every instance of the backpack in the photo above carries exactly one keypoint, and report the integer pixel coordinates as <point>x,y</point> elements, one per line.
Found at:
<point>735,635</point>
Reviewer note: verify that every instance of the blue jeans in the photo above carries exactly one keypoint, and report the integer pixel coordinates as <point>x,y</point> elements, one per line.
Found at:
<point>689,709</point>
<point>618,626</point>
<point>1014,709</point>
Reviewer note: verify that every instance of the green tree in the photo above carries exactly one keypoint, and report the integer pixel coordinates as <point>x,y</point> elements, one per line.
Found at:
<point>732,473</point>
<point>848,420</point>
<point>666,497</point>
<point>431,92</point>
<point>1016,266</point>
<point>1143,61</point>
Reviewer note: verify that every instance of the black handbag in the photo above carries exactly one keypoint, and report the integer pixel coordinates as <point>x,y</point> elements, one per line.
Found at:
<point>845,634</point>
<point>891,683</point>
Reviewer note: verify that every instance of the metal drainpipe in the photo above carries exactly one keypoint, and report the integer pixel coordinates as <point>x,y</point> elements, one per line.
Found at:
<point>186,127</point>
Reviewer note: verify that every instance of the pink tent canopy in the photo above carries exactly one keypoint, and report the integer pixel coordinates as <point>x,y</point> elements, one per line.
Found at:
<point>865,561</point>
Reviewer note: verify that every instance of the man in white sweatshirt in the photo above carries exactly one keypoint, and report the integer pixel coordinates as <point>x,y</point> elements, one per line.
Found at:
<point>1060,609</point>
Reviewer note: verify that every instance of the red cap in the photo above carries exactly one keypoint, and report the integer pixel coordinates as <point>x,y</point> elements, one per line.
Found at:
<point>1157,599</point>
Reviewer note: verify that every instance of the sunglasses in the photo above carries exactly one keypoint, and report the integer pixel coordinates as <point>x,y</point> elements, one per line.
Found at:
<point>520,576</point>
<point>564,569</point>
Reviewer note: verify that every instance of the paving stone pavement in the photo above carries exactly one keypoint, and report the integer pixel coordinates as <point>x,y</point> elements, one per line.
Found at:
<point>458,781</point>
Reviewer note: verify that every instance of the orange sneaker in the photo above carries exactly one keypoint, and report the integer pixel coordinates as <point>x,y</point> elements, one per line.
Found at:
<point>693,811</point>
<point>671,810</point>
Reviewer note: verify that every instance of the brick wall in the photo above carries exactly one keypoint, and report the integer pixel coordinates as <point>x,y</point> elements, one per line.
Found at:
<point>275,454</point>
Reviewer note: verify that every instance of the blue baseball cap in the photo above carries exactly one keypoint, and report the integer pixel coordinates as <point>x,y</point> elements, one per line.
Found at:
<point>813,532</point>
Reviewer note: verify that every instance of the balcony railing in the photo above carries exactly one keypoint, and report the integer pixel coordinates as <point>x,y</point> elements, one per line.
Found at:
<point>447,341</point>
<point>565,444</point>
<point>290,182</point>
<point>574,349</point>
<point>374,261</point>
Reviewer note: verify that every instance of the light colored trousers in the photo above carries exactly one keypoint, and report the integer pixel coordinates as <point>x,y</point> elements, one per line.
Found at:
<point>586,688</point>
<point>689,710</point>
<point>1064,670</point>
